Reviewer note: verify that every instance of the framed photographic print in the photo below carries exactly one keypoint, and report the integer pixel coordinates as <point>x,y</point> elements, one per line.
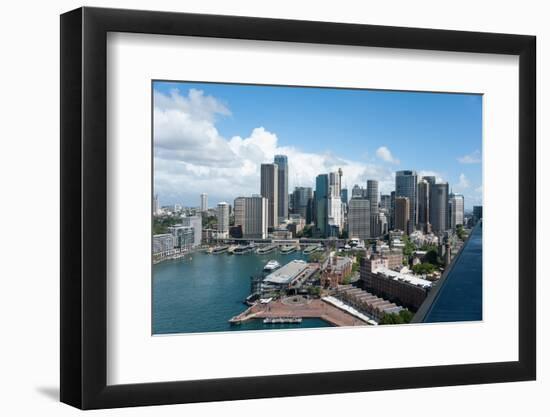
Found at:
<point>258,207</point>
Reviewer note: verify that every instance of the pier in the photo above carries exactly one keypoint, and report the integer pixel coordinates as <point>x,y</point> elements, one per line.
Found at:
<point>301,308</point>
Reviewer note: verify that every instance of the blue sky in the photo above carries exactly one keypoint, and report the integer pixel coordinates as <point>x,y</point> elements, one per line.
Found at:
<point>433,133</point>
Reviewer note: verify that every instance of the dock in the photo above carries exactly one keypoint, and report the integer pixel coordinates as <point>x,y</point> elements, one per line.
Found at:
<point>313,308</point>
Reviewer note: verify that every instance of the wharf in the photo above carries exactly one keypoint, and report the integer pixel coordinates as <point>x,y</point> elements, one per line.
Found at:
<point>308,309</point>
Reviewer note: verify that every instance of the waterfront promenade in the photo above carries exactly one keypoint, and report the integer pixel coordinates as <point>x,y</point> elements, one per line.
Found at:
<point>305,309</point>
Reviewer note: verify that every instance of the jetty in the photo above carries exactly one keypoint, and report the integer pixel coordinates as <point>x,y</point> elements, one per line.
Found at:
<point>311,308</point>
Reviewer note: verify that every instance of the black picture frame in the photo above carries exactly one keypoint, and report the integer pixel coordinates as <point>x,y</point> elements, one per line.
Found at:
<point>84,207</point>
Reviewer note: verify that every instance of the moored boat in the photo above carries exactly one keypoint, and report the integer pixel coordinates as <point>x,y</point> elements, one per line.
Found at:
<point>220,249</point>
<point>241,250</point>
<point>266,249</point>
<point>272,265</point>
<point>288,249</point>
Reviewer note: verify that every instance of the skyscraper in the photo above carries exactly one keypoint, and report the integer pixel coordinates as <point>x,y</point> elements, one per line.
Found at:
<point>344,195</point>
<point>372,196</point>
<point>359,218</point>
<point>429,178</point>
<point>301,200</point>
<point>392,210</point>
<point>424,205</point>
<point>156,205</point>
<point>357,192</point>
<point>282,187</point>
<point>478,213</point>
<point>456,210</point>
<point>270,190</point>
<point>439,207</point>
<point>251,215</point>
<point>402,214</point>
<point>321,204</point>
<point>406,186</point>
<point>223,219</point>
<point>385,203</point>
<point>238,211</point>
<point>334,203</point>
<point>204,202</point>
<point>335,183</point>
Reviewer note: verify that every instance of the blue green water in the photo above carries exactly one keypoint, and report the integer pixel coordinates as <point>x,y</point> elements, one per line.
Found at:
<point>202,292</point>
<point>460,297</point>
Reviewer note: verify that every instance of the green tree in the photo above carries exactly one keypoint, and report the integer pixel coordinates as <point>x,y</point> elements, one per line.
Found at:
<point>314,291</point>
<point>409,248</point>
<point>460,232</point>
<point>316,257</point>
<point>431,257</point>
<point>307,231</point>
<point>423,268</point>
<point>403,317</point>
<point>161,224</point>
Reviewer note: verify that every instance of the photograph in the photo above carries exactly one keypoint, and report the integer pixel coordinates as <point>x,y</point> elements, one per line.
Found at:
<point>289,207</point>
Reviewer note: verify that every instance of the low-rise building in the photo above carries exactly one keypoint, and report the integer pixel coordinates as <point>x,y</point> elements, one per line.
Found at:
<point>184,236</point>
<point>334,270</point>
<point>366,302</point>
<point>163,244</point>
<point>403,287</point>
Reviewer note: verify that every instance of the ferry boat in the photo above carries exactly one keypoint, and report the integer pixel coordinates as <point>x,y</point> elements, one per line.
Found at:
<point>312,249</point>
<point>241,250</point>
<point>219,249</point>
<point>272,265</point>
<point>288,249</point>
<point>266,249</point>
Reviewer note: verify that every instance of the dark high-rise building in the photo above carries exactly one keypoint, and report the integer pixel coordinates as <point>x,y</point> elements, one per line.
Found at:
<point>392,210</point>
<point>321,204</point>
<point>424,205</point>
<point>439,207</point>
<point>406,183</point>
<point>478,213</point>
<point>372,196</point>
<point>282,186</point>
<point>429,178</point>
<point>344,195</point>
<point>402,213</point>
<point>301,200</point>
<point>269,189</point>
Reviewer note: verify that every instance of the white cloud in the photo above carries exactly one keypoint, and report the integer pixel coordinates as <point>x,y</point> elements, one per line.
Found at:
<point>463,182</point>
<point>192,157</point>
<point>385,155</point>
<point>472,158</point>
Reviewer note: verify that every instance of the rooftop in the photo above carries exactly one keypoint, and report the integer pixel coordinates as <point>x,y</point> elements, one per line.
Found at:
<point>409,278</point>
<point>287,273</point>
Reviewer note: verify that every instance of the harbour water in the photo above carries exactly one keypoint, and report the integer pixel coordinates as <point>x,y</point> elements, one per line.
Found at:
<point>460,296</point>
<point>201,292</point>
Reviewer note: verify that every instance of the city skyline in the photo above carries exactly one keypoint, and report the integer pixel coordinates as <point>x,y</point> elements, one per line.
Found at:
<point>201,144</point>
